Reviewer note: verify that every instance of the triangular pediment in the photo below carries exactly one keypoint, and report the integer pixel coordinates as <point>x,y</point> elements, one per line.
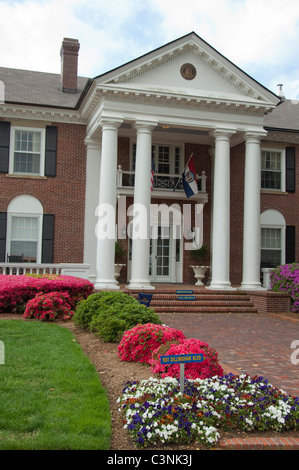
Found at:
<point>190,68</point>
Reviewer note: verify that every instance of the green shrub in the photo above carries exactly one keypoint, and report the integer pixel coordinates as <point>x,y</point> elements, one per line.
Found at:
<point>110,314</point>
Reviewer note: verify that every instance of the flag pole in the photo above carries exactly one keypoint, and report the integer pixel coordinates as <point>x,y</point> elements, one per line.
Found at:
<point>179,179</point>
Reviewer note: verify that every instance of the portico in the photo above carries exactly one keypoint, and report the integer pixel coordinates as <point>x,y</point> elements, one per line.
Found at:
<point>220,107</point>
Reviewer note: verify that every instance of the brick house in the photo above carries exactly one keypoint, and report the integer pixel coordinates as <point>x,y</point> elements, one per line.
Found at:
<point>72,146</point>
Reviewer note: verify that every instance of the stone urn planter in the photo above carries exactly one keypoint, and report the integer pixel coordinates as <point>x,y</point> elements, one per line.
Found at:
<point>120,256</point>
<point>199,256</point>
<point>199,274</point>
<point>117,270</point>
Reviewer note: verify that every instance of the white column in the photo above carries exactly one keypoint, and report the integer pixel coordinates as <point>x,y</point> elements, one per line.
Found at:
<point>252,229</point>
<point>221,212</point>
<point>93,162</point>
<point>141,215</point>
<point>105,278</point>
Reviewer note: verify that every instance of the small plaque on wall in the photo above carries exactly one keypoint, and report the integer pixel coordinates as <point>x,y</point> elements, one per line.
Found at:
<point>188,71</point>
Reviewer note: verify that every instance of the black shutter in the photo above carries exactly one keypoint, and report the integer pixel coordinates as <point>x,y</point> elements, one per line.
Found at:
<point>51,150</point>
<point>290,169</point>
<point>48,238</point>
<point>3,221</point>
<point>290,244</point>
<point>4,146</point>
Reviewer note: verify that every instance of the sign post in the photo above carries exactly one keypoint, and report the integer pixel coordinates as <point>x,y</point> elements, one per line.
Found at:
<point>181,359</point>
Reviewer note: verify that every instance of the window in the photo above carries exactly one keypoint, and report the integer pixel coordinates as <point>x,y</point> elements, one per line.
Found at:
<point>27,151</point>
<point>273,232</point>
<point>24,228</point>
<point>167,159</point>
<point>164,159</point>
<point>24,237</point>
<point>271,247</point>
<point>273,170</point>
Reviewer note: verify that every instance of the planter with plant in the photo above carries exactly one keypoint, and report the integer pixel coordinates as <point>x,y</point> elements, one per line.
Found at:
<point>120,257</point>
<point>199,256</point>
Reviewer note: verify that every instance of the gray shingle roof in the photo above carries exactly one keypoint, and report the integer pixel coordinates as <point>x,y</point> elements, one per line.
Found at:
<point>38,88</point>
<point>284,116</point>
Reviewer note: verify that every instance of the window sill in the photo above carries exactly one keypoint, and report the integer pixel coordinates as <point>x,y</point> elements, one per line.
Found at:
<point>35,177</point>
<point>273,191</point>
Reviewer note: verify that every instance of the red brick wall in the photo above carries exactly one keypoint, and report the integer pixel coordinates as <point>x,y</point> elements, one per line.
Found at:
<point>287,204</point>
<point>237,163</point>
<point>271,302</point>
<point>63,195</point>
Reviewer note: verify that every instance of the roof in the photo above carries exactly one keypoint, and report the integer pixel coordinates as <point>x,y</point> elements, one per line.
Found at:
<point>39,88</point>
<point>284,117</point>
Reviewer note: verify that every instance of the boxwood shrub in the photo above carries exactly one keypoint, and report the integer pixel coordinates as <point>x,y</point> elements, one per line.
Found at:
<point>110,314</point>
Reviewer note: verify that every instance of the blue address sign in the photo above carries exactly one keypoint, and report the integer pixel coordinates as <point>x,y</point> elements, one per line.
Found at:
<point>181,358</point>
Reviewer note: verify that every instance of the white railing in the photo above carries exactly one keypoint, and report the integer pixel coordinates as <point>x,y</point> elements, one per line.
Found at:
<point>163,181</point>
<point>29,268</point>
<point>78,270</point>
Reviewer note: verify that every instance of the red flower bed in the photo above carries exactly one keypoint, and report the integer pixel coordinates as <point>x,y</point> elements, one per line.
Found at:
<point>138,343</point>
<point>203,370</point>
<point>49,307</point>
<point>15,291</point>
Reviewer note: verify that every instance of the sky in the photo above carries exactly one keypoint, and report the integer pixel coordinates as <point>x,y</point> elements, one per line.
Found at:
<point>259,36</point>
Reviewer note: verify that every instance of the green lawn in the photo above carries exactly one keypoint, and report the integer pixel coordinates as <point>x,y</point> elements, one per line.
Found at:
<point>51,397</point>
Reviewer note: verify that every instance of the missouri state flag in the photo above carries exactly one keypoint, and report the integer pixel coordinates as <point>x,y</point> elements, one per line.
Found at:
<point>189,178</point>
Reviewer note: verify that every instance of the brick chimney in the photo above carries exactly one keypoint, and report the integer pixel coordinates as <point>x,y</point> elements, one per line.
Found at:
<point>69,65</point>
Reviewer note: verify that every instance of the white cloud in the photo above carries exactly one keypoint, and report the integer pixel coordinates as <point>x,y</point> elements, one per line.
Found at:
<point>257,35</point>
<point>244,30</point>
<point>260,36</point>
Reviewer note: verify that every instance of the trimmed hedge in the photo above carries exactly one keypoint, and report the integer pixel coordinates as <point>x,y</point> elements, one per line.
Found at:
<point>15,291</point>
<point>110,314</point>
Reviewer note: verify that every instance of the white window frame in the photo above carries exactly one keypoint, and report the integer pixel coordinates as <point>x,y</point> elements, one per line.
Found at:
<point>172,148</point>
<point>42,132</point>
<point>273,219</point>
<point>39,225</point>
<point>17,208</point>
<point>282,168</point>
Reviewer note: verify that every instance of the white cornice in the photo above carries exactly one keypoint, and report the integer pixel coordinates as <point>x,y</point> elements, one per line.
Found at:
<point>39,113</point>
<point>172,98</point>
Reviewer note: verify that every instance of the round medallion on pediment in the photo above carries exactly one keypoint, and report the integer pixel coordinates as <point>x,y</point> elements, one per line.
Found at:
<point>188,71</point>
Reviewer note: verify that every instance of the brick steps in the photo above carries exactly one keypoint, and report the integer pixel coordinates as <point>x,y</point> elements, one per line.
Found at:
<point>205,301</point>
<point>192,309</point>
<point>260,443</point>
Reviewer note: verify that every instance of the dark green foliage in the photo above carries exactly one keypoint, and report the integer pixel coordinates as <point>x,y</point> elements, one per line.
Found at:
<point>110,314</point>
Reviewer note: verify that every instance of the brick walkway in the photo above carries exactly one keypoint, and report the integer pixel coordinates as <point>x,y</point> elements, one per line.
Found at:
<point>247,343</point>
<point>252,344</point>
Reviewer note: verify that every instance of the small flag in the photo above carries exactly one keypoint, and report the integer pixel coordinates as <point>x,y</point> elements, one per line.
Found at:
<point>152,174</point>
<point>189,178</point>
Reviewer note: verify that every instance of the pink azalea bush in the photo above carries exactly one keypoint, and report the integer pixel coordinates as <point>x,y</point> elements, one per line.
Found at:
<point>194,370</point>
<point>15,291</point>
<point>285,278</point>
<point>49,307</point>
<point>138,343</point>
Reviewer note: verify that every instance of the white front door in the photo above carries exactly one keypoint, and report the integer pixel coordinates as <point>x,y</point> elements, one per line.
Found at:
<point>165,257</point>
<point>161,258</point>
